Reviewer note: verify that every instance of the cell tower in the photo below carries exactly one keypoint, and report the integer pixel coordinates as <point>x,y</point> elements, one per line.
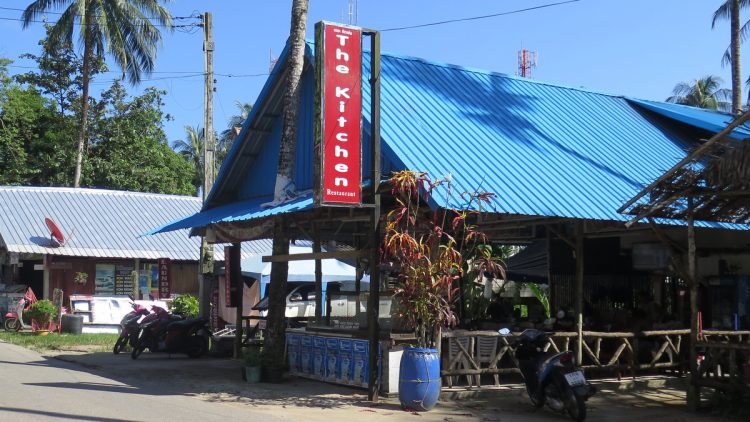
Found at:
<point>353,12</point>
<point>526,61</point>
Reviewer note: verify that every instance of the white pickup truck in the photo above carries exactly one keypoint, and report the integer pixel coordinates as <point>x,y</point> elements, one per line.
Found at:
<point>300,302</point>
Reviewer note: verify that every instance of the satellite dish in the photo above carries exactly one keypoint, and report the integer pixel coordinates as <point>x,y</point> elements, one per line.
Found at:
<point>54,231</point>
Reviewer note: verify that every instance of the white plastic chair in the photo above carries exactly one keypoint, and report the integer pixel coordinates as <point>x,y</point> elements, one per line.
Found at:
<point>486,353</point>
<point>461,362</point>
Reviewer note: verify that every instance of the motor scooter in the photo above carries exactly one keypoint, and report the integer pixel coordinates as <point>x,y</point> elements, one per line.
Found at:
<point>552,378</point>
<point>172,334</point>
<point>130,326</point>
<point>14,318</point>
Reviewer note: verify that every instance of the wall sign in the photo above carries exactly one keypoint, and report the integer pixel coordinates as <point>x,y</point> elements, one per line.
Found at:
<point>339,136</point>
<point>165,280</point>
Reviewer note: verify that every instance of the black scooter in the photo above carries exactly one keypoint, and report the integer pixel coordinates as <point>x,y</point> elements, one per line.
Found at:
<point>552,378</point>
<point>189,336</point>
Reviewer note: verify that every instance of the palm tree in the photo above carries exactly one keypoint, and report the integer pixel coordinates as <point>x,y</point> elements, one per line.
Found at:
<point>122,28</point>
<point>705,92</point>
<point>284,187</point>
<point>226,139</point>
<point>730,9</point>
<point>191,149</point>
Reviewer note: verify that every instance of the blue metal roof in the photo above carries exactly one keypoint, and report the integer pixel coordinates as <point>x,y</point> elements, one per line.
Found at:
<point>710,120</point>
<point>238,211</point>
<point>544,150</point>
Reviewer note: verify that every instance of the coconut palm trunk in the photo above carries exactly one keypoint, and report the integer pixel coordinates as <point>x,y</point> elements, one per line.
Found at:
<point>86,79</point>
<point>735,43</point>
<point>284,187</point>
<point>285,173</point>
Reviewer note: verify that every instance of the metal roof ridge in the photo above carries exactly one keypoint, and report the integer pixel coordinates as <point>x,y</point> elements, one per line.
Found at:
<point>96,191</point>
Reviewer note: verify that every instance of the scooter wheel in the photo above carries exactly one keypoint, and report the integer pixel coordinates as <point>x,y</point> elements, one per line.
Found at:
<point>12,324</point>
<point>137,350</point>
<point>120,345</point>
<point>197,347</point>
<point>575,405</point>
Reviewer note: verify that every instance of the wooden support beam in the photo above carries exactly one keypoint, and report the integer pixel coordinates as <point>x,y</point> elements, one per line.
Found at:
<point>350,254</point>
<point>561,236</point>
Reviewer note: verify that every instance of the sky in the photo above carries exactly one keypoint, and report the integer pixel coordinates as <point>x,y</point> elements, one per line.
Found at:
<point>637,48</point>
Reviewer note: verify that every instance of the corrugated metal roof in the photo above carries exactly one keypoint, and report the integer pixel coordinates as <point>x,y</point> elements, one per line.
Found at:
<point>544,150</point>
<point>238,211</point>
<point>100,223</point>
<point>713,121</point>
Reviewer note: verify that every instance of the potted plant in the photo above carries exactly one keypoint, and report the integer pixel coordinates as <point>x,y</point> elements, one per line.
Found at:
<point>41,314</point>
<point>251,358</point>
<point>431,252</point>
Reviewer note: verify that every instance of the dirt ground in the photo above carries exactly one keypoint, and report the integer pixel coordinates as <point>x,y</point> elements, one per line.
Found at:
<point>219,380</point>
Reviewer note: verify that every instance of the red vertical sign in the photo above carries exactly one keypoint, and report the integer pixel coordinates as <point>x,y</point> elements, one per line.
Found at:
<point>341,92</point>
<point>228,296</point>
<point>165,278</point>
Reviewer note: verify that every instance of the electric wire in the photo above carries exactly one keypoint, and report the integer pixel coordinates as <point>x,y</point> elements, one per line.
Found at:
<point>473,18</point>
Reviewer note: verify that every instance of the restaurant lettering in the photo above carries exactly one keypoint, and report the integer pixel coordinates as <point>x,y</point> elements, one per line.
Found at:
<point>341,107</point>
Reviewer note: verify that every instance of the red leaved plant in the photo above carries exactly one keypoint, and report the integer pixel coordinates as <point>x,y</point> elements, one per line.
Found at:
<point>430,255</point>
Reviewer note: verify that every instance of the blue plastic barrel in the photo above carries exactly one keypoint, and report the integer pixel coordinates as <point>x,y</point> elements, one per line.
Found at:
<point>419,379</point>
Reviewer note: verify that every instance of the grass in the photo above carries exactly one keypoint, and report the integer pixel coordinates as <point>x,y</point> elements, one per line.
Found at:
<point>54,341</point>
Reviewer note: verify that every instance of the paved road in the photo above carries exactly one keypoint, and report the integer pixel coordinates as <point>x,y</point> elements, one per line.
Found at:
<point>105,387</point>
<point>34,388</point>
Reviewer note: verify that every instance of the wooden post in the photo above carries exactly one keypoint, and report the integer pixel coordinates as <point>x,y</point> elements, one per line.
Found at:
<point>318,276</point>
<point>693,391</point>
<point>373,304</point>
<point>206,278</point>
<point>235,277</point>
<point>579,291</point>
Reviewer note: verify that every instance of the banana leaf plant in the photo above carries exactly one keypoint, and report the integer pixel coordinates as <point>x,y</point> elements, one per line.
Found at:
<point>432,251</point>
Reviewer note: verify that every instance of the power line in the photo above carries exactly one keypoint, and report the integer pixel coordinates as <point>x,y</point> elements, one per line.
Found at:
<point>193,16</point>
<point>473,18</point>
<point>192,25</point>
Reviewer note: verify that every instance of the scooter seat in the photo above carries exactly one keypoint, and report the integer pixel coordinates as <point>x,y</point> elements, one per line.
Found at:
<point>188,322</point>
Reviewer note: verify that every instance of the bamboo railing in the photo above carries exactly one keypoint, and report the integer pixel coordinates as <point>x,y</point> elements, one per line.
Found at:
<point>467,354</point>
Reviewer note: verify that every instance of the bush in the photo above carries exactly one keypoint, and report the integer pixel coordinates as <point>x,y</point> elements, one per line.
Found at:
<point>42,312</point>
<point>251,356</point>
<point>186,306</point>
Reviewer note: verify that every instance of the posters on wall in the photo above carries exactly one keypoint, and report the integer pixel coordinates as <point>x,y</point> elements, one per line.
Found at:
<point>123,279</point>
<point>148,279</point>
<point>104,282</point>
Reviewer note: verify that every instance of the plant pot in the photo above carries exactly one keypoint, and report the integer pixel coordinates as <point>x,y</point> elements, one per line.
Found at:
<point>41,332</point>
<point>419,379</point>
<point>252,374</point>
<point>272,375</point>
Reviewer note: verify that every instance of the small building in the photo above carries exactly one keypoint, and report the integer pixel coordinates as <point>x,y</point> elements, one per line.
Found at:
<point>102,244</point>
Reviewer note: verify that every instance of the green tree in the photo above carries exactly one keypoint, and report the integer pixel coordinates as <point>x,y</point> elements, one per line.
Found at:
<point>60,73</point>
<point>34,138</point>
<point>730,10</point>
<point>191,149</point>
<point>129,150</point>
<point>121,28</point>
<point>705,92</point>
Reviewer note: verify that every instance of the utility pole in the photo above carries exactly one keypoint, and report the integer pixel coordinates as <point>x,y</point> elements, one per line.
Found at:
<point>207,255</point>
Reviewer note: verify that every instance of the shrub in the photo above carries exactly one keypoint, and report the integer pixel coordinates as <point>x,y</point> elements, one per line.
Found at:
<point>251,356</point>
<point>186,306</point>
<point>42,312</point>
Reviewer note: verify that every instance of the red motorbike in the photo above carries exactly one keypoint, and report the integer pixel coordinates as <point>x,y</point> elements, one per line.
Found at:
<point>130,324</point>
<point>172,334</point>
